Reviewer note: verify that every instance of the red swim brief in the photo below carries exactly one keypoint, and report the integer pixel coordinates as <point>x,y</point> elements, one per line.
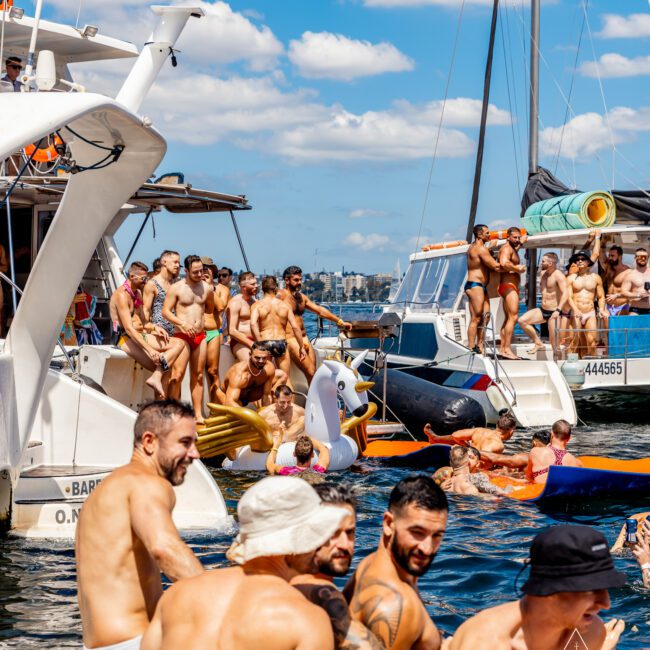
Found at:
<point>192,341</point>
<point>505,287</point>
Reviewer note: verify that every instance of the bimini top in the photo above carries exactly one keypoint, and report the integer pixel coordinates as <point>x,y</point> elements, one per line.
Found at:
<point>67,43</point>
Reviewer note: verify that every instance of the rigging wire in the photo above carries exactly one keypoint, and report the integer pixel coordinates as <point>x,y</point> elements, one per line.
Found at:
<point>76,25</point>
<point>442,115</point>
<point>2,33</point>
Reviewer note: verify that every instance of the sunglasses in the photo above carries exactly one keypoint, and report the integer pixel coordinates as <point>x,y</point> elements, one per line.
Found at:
<point>223,275</point>
<point>15,67</point>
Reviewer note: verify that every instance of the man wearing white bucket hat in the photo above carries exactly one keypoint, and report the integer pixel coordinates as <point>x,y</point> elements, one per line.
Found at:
<point>282,523</point>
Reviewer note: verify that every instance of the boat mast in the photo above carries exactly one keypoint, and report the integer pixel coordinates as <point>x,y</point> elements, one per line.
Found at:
<point>484,111</point>
<point>533,137</point>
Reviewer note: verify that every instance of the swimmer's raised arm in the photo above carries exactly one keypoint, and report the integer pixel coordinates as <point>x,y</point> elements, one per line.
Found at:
<point>323,453</point>
<point>271,466</point>
<point>150,508</point>
<point>642,552</point>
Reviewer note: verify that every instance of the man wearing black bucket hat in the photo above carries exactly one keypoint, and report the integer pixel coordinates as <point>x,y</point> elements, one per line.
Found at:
<point>571,570</point>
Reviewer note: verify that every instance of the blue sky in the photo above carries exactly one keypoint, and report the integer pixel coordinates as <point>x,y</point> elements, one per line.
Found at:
<point>325,113</point>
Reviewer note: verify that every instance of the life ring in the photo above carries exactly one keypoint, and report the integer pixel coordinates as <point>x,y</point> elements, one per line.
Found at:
<point>47,150</point>
<point>503,234</point>
<point>444,244</point>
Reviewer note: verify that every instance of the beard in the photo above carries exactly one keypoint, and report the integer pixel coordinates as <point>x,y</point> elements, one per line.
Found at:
<point>174,471</point>
<point>404,559</point>
<point>336,566</point>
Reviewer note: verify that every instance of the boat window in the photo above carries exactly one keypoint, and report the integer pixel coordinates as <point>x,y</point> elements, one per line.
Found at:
<point>409,284</point>
<point>430,282</point>
<point>454,278</point>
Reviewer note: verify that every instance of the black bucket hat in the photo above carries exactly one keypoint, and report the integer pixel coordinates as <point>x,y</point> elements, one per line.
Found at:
<point>570,558</point>
<point>586,254</point>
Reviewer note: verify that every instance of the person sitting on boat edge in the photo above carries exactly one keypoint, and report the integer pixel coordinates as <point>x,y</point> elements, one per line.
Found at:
<point>518,461</point>
<point>304,454</point>
<point>284,414</point>
<point>125,535</point>
<point>282,523</point>
<point>464,481</point>
<point>383,591</point>
<point>333,560</point>
<point>571,571</point>
<point>540,459</point>
<point>482,438</point>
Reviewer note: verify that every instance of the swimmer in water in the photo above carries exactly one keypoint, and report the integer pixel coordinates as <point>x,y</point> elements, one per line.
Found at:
<point>480,437</point>
<point>463,480</point>
<point>382,592</point>
<point>125,534</point>
<point>282,524</point>
<point>540,459</point>
<point>304,454</point>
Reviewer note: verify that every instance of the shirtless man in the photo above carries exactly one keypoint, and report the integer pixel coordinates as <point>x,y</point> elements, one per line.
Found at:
<point>269,320</point>
<point>636,286</point>
<point>482,438</point>
<point>518,461</point>
<point>282,522</point>
<point>511,270</point>
<point>554,297</point>
<point>212,323</point>
<point>383,593</point>
<point>143,343</point>
<point>238,314</point>
<point>463,480</point>
<point>250,380</point>
<point>298,302</point>
<point>480,264</point>
<point>125,535</point>
<point>283,415</point>
<point>541,458</point>
<point>582,290</point>
<point>184,307</point>
<point>571,572</point>
<point>333,560</point>
<point>614,272</point>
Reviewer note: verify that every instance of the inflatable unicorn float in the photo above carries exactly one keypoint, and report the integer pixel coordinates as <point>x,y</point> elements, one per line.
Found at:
<point>241,429</point>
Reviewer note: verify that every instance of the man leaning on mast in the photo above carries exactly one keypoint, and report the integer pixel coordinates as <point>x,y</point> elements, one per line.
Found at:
<point>125,534</point>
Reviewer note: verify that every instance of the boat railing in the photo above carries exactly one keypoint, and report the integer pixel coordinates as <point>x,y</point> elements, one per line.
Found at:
<point>499,370</point>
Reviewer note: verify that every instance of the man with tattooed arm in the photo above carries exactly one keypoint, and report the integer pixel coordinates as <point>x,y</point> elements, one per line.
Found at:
<point>383,593</point>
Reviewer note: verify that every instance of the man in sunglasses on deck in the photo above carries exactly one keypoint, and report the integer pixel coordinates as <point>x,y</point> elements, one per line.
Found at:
<point>13,66</point>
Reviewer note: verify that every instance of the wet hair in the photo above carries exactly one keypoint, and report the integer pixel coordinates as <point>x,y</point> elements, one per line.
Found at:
<point>543,436</point>
<point>138,265</point>
<point>291,270</point>
<point>561,429</point>
<point>552,256</point>
<point>512,229</point>
<point>506,421</point>
<point>159,417</point>
<point>419,490</point>
<point>246,275</point>
<point>618,249</point>
<point>458,456</point>
<point>478,229</point>
<point>269,284</point>
<point>282,389</point>
<point>442,474</point>
<point>304,449</point>
<point>191,259</point>
<point>168,254</point>
<point>341,494</point>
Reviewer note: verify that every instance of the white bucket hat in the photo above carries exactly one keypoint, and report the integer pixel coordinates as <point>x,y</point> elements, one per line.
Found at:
<point>282,515</point>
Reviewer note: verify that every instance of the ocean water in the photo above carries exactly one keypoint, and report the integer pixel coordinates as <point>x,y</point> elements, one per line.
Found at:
<point>482,552</point>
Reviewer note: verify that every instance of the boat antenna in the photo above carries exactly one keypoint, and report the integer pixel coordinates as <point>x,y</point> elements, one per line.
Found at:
<point>484,111</point>
<point>29,66</point>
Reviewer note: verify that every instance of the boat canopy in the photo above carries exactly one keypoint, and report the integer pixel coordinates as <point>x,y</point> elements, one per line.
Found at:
<point>632,206</point>
<point>67,43</point>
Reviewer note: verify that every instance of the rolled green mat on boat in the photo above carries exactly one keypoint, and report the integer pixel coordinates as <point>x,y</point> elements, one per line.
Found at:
<point>571,212</point>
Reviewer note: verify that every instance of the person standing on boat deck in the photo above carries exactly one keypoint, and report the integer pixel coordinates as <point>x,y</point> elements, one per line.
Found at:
<point>298,302</point>
<point>571,571</point>
<point>333,560</point>
<point>541,458</point>
<point>212,322</point>
<point>480,264</point>
<point>238,314</point>
<point>636,286</point>
<point>270,317</point>
<point>142,341</point>
<point>553,286</point>
<point>284,415</point>
<point>613,272</point>
<point>282,522</point>
<point>583,289</point>
<point>13,66</point>
<point>125,535</point>
<point>511,270</point>
<point>184,307</point>
<point>224,277</point>
<point>382,592</point>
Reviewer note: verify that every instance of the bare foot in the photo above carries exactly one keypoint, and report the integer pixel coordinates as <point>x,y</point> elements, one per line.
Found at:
<point>510,355</point>
<point>428,432</point>
<point>155,383</point>
<point>536,348</point>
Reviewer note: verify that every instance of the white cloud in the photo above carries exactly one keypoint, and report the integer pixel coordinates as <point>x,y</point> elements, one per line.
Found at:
<point>361,213</point>
<point>369,242</point>
<point>632,26</point>
<point>333,56</point>
<point>616,65</point>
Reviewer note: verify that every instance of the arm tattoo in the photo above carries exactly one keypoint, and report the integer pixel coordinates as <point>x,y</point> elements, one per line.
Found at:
<point>482,483</point>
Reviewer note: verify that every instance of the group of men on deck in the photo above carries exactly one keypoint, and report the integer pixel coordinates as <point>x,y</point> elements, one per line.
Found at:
<point>574,300</point>
<point>168,324</point>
